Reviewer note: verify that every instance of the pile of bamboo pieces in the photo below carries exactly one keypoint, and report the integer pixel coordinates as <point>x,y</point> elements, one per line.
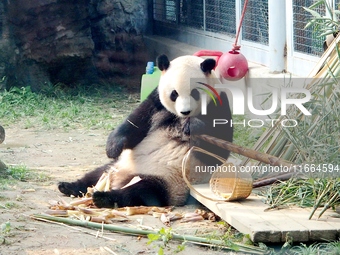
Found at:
<point>84,209</point>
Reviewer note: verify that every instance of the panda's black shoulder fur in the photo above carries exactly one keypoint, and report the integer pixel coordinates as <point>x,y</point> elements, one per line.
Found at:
<point>135,127</point>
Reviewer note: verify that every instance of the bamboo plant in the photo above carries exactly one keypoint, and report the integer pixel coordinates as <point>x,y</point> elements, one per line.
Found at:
<point>315,142</point>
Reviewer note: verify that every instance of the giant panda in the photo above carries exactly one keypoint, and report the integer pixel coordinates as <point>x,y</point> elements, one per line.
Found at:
<point>154,138</point>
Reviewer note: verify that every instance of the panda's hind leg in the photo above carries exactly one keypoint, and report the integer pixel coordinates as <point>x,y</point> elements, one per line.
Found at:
<point>79,187</point>
<point>150,191</point>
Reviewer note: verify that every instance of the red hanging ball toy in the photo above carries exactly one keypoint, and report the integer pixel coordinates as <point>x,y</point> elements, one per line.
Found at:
<point>232,65</point>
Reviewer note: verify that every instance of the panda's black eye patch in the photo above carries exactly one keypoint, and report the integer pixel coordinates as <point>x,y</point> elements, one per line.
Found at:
<point>173,95</point>
<point>195,94</point>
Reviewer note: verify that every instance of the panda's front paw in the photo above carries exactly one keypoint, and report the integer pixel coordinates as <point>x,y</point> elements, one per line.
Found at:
<point>115,146</point>
<point>104,199</point>
<point>71,189</point>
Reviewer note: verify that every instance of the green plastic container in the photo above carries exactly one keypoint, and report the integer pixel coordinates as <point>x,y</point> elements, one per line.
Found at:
<point>149,83</point>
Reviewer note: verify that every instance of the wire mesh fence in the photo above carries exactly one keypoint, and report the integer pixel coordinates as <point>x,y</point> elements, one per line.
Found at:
<point>210,15</point>
<point>255,23</point>
<point>165,10</point>
<point>337,4</point>
<point>219,16</point>
<point>192,13</point>
<point>306,40</point>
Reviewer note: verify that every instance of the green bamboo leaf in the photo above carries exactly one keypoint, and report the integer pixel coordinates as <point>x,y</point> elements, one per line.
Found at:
<point>338,51</point>
<point>153,237</point>
<point>328,7</point>
<point>326,33</point>
<point>309,24</point>
<point>317,4</point>
<point>160,251</point>
<point>319,200</point>
<point>314,13</point>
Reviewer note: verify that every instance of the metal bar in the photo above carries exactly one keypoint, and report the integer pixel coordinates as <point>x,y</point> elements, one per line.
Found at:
<point>204,16</point>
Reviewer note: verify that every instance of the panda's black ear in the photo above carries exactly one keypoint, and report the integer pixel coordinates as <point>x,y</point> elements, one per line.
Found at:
<point>163,62</point>
<point>207,65</point>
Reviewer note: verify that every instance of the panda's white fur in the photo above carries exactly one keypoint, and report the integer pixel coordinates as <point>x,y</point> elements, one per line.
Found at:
<point>153,140</point>
<point>159,155</point>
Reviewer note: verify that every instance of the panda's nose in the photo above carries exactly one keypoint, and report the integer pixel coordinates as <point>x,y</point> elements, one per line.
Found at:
<point>186,113</point>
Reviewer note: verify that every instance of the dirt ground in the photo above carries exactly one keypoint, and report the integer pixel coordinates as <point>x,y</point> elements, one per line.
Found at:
<point>65,156</point>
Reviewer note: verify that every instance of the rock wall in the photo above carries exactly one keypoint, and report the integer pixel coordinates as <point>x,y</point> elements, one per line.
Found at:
<point>45,42</point>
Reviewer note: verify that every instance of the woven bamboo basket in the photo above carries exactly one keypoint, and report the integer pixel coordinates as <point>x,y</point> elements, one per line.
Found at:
<point>228,182</point>
<point>230,185</point>
<point>235,185</point>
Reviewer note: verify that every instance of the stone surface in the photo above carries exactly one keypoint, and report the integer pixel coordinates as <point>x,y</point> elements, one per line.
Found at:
<point>71,42</point>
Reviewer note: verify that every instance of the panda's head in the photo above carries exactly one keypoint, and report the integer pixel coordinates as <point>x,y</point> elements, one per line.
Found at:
<point>181,82</point>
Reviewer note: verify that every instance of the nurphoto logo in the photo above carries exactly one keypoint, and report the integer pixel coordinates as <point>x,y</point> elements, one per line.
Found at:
<point>239,103</point>
<point>212,92</point>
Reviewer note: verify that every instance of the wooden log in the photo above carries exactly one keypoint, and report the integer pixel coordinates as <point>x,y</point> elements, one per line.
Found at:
<point>260,156</point>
